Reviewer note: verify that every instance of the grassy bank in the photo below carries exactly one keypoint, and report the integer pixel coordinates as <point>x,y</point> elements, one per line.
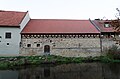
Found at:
<point>10,62</point>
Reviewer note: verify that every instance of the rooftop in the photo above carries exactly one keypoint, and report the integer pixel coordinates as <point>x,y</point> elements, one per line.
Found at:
<point>100,25</point>
<point>11,18</point>
<point>59,26</point>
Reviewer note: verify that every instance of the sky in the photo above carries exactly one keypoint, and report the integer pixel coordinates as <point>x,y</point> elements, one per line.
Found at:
<point>64,9</point>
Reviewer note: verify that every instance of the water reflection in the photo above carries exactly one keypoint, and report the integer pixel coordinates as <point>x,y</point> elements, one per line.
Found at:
<point>8,74</point>
<point>65,71</point>
<point>47,72</point>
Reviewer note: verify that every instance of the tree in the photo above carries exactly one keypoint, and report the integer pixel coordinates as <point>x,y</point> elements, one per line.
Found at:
<point>116,23</point>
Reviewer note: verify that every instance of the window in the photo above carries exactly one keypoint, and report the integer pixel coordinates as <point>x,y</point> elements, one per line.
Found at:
<point>38,45</point>
<point>8,35</point>
<point>28,45</point>
<point>8,44</point>
<point>106,24</point>
<point>50,41</point>
<point>20,44</point>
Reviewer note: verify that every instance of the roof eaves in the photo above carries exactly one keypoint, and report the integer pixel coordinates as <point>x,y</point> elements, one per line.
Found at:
<point>23,17</point>
<point>58,33</point>
<point>9,26</point>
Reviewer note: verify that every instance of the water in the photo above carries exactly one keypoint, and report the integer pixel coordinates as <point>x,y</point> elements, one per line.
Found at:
<point>65,71</point>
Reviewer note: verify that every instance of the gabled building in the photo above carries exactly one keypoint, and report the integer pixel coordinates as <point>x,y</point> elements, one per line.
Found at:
<point>60,37</point>
<point>108,35</point>
<point>20,35</point>
<point>105,28</point>
<point>11,24</point>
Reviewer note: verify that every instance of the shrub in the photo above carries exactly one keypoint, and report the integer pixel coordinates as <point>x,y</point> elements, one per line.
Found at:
<point>105,59</point>
<point>114,52</point>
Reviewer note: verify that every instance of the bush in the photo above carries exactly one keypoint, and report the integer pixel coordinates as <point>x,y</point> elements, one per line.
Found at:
<point>105,59</point>
<point>114,52</point>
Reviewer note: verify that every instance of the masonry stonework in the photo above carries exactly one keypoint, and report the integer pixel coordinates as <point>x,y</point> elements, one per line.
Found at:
<point>63,46</point>
<point>107,43</point>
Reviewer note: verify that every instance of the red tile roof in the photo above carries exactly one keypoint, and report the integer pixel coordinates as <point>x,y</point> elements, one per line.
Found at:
<point>11,18</point>
<point>59,26</point>
<point>100,24</point>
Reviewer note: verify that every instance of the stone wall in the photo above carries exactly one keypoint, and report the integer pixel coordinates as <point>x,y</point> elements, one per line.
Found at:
<point>108,42</point>
<point>70,47</point>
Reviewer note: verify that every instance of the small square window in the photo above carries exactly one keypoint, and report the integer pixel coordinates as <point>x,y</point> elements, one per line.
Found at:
<point>38,45</point>
<point>54,45</point>
<point>8,44</point>
<point>8,35</point>
<point>106,25</point>
<point>50,41</point>
<point>28,45</point>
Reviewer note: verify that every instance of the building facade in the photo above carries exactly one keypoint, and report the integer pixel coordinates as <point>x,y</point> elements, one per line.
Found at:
<point>11,24</point>
<point>108,35</point>
<point>72,38</point>
<point>20,35</point>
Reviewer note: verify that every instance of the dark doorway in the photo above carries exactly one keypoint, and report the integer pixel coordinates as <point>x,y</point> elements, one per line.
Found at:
<point>46,49</point>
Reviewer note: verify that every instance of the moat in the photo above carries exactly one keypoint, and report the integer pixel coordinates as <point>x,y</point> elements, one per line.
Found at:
<point>64,71</point>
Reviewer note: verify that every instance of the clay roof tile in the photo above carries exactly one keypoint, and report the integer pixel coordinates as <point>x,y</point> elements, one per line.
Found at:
<point>59,26</point>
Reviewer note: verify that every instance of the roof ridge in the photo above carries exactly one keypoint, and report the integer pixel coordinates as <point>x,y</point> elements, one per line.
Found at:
<point>2,10</point>
<point>12,11</point>
<point>62,19</point>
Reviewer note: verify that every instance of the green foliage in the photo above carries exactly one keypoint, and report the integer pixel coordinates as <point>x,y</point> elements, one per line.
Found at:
<point>10,62</point>
<point>3,65</point>
<point>77,60</point>
<point>105,59</point>
<point>114,52</point>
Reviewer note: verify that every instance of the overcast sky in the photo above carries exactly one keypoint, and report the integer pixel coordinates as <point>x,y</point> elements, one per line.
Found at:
<point>64,9</point>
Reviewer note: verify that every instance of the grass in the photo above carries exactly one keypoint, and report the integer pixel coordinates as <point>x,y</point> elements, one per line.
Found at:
<point>10,62</point>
